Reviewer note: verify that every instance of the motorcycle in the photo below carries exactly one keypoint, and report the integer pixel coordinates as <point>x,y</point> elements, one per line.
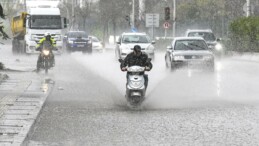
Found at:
<point>45,56</point>
<point>135,87</point>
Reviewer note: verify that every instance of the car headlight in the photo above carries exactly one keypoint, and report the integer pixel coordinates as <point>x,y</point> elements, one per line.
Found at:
<point>46,52</point>
<point>70,42</point>
<point>125,48</point>
<point>208,57</point>
<point>33,37</point>
<point>178,57</point>
<point>218,47</point>
<point>151,47</point>
<point>100,45</point>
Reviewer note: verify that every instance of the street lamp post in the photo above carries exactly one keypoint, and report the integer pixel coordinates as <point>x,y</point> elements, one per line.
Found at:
<point>248,13</point>
<point>174,18</point>
<point>133,13</point>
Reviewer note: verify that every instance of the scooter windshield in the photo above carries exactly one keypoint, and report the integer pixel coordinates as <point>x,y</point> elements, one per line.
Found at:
<point>136,69</point>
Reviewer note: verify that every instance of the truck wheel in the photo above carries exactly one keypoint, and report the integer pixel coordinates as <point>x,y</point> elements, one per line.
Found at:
<point>22,47</point>
<point>14,46</point>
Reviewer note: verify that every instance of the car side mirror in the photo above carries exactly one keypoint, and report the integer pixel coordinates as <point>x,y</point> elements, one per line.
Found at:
<point>153,42</point>
<point>118,43</point>
<point>169,48</point>
<point>218,39</point>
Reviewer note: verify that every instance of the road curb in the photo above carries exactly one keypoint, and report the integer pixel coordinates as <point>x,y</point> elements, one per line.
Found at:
<point>20,108</point>
<point>31,129</point>
<point>3,77</point>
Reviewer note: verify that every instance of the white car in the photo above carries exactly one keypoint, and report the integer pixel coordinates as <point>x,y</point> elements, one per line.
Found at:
<point>127,41</point>
<point>97,45</point>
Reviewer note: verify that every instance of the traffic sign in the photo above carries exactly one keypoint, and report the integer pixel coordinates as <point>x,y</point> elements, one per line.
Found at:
<point>134,29</point>
<point>166,25</point>
<point>152,20</point>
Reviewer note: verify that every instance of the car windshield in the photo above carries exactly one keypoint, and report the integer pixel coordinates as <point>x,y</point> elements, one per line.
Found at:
<point>45,22</point>
<point>190,45</point>
<point>77,34</point>
<point>207,36</point>
<point>94,39</point>
<point>135,39</point>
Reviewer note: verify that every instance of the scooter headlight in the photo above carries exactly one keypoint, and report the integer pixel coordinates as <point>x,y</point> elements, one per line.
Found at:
<point>46,52</point>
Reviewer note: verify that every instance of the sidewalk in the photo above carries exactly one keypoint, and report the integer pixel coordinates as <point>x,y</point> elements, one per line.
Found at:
<point>246,56</point>
<point>22,97</point>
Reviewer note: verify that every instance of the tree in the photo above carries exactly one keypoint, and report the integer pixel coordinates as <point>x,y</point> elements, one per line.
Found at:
<point>114,13</point>
<point>2,33</point>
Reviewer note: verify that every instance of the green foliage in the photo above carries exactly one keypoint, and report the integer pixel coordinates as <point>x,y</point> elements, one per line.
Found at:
<point>245,34</point>
<point>2,33</point>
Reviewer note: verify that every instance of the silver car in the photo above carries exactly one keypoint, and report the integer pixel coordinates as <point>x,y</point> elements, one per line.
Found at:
<point>189,51</point>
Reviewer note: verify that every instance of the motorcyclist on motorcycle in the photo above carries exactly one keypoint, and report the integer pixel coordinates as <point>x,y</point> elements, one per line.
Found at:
<point>39,47</point>
<point>137,58</point>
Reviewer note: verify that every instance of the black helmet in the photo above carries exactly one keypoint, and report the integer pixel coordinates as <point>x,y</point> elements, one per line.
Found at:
<point>137,48</point>
<point>47,35</point>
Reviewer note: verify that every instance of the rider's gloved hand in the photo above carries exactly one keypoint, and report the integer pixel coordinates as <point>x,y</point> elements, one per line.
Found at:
<point>147,68</point>
<point>124,69</point>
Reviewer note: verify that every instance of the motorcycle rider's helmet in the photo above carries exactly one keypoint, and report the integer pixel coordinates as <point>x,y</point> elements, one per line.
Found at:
<point>47,35</point>
<point>137,50</point>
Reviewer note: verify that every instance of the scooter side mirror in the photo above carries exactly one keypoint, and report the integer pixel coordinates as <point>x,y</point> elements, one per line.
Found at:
<point>120,60</point>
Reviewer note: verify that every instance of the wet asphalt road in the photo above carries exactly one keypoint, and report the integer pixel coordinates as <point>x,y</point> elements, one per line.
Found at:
<point>186,107</point>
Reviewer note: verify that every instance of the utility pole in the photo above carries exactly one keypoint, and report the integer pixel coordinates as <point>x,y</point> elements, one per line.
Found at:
<point>174,18</point>
<point>25,6</point>
<point>248,13</point>
<point>133,13</point>
<point>142,8</point>
<point>73,14</point>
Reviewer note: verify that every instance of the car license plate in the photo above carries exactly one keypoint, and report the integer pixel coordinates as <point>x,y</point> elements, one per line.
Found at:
<point>80,45</point>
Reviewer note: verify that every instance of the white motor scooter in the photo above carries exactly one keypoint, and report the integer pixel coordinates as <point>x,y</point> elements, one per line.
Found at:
<point>135,87</point>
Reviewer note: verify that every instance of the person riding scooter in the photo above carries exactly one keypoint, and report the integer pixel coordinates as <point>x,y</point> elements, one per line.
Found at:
<point>39,47</point>
<point>137,58</point>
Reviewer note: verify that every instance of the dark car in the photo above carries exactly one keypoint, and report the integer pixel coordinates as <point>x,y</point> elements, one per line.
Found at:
<point>77,41</point>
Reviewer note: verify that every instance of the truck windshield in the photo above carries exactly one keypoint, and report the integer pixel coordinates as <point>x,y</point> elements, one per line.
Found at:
<point>45,22</point>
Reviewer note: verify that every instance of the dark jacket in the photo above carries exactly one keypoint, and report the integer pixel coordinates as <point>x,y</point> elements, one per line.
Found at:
<point>132,60</point>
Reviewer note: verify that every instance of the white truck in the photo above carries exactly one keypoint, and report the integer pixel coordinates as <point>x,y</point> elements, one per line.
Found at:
<point>29,27</point>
